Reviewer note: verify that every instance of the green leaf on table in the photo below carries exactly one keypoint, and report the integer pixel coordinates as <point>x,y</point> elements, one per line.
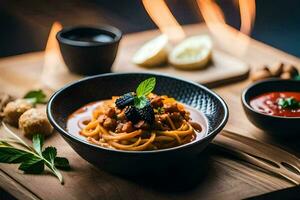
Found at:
<point>146,87</point>
<point>36,96</point>
<point>50,154</point>
<point>62,163</point>
<point>33,165</point>
<point>11,155</point>
<point>33,159</point>
<point>37,143</point>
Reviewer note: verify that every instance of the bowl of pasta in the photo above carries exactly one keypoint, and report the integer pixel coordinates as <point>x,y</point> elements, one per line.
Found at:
<point>131,123</point>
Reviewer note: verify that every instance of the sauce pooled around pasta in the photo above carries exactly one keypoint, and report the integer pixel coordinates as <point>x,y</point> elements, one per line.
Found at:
<point>136,122</point>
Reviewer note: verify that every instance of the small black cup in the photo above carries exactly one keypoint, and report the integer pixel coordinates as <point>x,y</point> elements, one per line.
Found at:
<point>89,50</point>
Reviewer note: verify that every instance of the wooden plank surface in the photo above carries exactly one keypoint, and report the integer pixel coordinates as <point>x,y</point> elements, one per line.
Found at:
<point>220,177</point>
<point>224,67</point>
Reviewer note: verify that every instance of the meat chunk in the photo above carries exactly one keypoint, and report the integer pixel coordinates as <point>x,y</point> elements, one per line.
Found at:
<point>127,127</point>
<point>110,123</point>
<point>176,116</point>
<point>142,125</point>
<point>35,121</point>
<point>119,127</point>
<point>157,102</point>
<point>109,112</point>
<point>121,116</point>
<point>171,107</point>
<point>158,125</point>
<point>124,127</point>
<point>102,118</point>
<point>14,109</point>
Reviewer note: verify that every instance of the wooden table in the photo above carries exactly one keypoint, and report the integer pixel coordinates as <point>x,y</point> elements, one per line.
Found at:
<point>222,177</point>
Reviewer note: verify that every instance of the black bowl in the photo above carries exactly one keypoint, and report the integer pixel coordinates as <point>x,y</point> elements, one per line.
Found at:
<point>86,56</point>
<point>280,126</point>
<point>73,96</point>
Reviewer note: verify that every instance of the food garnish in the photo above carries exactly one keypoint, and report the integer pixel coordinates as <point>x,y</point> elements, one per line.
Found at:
<point>132,114</point>
<point>153,53</point>
<point>192,53</point>
<point>125,100</point>
<point>36,97</point>
<point>147,113</point>
<point>32,159</point>
<point>289,103</point>
<point>138,105</point>
<point>144,88</point>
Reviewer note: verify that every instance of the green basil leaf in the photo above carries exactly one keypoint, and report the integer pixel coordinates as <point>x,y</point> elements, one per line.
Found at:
<point>37,142</point>
<point>49,154</point>
<point>12,155</point>
<point>33,165</point>
<point>140,102</point>
<point>36,96</point>
<point>146,87</point>
<point>290,102</point>
<point>62,163</point>
<point>282,102</point>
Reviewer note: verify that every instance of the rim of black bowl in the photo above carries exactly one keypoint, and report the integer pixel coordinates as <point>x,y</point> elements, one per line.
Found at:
<point>107,28</point>
<point>262,82</point>
<point>72,136</point>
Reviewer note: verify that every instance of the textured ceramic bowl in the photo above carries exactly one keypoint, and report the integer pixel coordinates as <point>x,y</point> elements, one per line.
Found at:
<point>89,57</point>
<point>280,126</point>
<point>73,96</point>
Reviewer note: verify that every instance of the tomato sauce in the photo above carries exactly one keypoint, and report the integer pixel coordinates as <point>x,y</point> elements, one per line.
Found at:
<point>267,103</point>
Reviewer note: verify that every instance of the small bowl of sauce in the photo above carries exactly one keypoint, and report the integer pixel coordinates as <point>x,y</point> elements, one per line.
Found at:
<point>274,106</point>
<point>282,104</point>
<point>89,50</point>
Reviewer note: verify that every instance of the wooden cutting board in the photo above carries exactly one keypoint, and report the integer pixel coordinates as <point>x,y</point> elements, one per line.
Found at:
<point>220,177</point>
<point>223,69</point>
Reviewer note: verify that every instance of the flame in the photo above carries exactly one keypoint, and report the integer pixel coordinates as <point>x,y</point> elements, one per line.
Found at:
<point>163,18</point>
<point>247,12</point>
<point>52,44</point>
<point>228,36</point>
<point>55,73</point>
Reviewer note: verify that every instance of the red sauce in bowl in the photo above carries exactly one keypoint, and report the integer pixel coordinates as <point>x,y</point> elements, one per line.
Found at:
<point>268,103</point>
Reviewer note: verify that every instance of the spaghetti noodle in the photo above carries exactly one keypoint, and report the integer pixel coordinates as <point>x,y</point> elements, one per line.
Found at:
<point>109,127</point>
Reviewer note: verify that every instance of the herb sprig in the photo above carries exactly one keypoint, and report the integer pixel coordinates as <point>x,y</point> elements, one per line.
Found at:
<point>36,96</point>
<point>290,103</point>
<point>32,159</point>
<point>144,88</point>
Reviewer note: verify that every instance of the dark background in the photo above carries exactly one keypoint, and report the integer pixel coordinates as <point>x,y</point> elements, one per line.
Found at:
<point>25,24</point>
